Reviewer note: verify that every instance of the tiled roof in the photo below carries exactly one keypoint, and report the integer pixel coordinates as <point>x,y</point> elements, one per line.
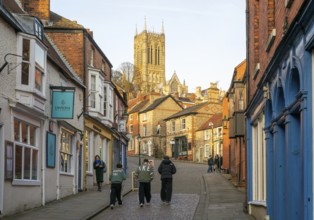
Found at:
<point>184,99</point>
<point>62,22</point>
<point>187,111</point>
<point>216,119</point>
<point>139,106</point>
<point>157,102</point>
<point>12,7</point>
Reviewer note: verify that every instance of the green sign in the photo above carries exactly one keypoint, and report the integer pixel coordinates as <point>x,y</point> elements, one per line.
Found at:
<point>62,104</point>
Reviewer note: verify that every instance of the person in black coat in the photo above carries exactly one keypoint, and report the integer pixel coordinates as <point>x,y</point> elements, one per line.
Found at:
<point>210,164</point>
<point>100,168</point>
<point>166,169</point>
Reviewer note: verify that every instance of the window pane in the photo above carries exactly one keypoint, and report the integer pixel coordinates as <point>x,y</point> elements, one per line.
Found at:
<point>93,83</point>
<point>39,56</point>
<point>24,133</point>
<point>65,154</point>
<point>27,163</point>
<point>62,162</point>
<point>38,79</point>
<point>16,130</point>
<point>92,100</point>
<point>35,165</point>
<point>26,51</point>
<point>105,101</point>
<point>25,73</point>
<point>18,162</point>
<point>32,135</point>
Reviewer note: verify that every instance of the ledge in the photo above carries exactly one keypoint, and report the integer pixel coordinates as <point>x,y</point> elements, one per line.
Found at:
<point>270,40</point>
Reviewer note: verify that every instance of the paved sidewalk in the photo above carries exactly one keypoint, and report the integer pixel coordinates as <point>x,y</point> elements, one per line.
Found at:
<point>83,205</point>
<point>220,199</point>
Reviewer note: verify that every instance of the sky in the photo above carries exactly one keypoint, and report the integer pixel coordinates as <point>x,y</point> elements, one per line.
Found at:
<point>205,39</point>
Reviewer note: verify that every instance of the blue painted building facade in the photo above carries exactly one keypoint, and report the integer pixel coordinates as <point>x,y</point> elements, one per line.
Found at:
<point>279,127</point>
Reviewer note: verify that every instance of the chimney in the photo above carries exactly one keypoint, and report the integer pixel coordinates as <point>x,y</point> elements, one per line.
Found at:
<point>90,32</point>
<point>39,8</point>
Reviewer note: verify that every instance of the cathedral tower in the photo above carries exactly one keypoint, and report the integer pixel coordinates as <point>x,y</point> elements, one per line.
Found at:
<point>149,60</point>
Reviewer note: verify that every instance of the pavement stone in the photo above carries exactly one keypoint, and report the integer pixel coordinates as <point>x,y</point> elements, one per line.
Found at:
<point>197,196</point>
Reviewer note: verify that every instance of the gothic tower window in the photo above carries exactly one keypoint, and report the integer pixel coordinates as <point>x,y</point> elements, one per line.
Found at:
<point>158,55</point>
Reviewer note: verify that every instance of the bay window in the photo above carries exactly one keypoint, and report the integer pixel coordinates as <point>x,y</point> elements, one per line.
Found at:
<point>33,64</point>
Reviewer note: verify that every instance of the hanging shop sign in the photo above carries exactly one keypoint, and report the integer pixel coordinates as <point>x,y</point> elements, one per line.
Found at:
<point>62,102</point>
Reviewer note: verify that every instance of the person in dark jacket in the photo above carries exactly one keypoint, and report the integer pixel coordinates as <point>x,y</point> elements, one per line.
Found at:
<point>145,174</point>
<point>166,169</point>
<point>210,164</point>
<point>116,179</point>
<point>100,168</point>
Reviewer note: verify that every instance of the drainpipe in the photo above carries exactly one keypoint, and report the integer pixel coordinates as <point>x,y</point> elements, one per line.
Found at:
<point>84,109</point>
<point>245,205</point>
<point>43,167</point>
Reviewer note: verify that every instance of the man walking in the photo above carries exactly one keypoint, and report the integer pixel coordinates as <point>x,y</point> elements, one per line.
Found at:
<point>166,169</point>
<point>145,174</point>
<point>210,164</point>
<point>116,179</point>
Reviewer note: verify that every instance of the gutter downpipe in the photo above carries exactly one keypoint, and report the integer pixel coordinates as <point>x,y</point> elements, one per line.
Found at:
<point>245,205</point>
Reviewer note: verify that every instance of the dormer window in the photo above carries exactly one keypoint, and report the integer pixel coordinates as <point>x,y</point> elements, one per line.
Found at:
<point>38,27</point>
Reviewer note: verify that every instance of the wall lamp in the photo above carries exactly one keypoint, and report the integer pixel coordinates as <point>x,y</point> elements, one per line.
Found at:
<point>5,60</point>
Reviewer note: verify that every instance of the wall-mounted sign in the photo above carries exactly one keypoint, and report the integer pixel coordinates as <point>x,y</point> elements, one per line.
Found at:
<point>62,102</point>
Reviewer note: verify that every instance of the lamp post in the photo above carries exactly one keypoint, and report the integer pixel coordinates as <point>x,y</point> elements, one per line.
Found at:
<point>139,149</point>
<point>211,124</point>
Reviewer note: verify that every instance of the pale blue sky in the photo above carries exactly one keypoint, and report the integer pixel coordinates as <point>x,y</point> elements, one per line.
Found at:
<point>205,39</point>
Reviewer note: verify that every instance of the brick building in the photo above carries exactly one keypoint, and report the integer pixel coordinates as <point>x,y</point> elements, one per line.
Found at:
<point>182,127</point>
<point>280,41</point>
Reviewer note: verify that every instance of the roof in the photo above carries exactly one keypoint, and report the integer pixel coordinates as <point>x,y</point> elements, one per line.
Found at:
<point>138,107</point>
<point>157,102</point>
<point>62,22</point>
<point>216,119</point>
<point>187,111</point>
<point>184,99</point>
<point>59,22</point>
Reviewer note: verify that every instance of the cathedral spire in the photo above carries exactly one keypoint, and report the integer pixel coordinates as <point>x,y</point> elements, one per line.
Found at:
<point>162,27</point>
<point>136,29</point>
<point>145,28</point>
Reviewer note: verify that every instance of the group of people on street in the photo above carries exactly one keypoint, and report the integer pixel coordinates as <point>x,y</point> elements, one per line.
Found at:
<point>144,174</point>
<point>214,164</point>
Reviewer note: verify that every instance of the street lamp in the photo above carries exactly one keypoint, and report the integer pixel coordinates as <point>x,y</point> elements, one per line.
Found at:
<point>139,149</point>
<point>211,124</point>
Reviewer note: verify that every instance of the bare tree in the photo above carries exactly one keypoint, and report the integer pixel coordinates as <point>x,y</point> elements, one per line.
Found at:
<point>127,70</point>
<point>117,77</point>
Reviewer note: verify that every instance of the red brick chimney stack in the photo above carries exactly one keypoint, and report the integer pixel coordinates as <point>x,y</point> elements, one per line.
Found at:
<point>39,8</point>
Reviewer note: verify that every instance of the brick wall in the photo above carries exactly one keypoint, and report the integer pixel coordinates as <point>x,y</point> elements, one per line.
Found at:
<point>39,8</point>
<point>261,14</point>
<point>70,45</point>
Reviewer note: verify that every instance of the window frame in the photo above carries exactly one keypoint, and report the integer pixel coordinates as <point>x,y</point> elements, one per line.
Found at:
<point>70,153</point>
<point>259,160</point>
<point>173,126</point>
<point>206,150</point>
<point>206,135</point>
<point>183,123</point>
<point>26,145</point>
<point>33,42</point>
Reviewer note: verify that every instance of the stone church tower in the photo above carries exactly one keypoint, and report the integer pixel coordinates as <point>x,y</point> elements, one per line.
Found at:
<point>149,61</point>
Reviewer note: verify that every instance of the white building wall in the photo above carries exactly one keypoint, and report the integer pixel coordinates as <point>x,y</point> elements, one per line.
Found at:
<point>15,198</point>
